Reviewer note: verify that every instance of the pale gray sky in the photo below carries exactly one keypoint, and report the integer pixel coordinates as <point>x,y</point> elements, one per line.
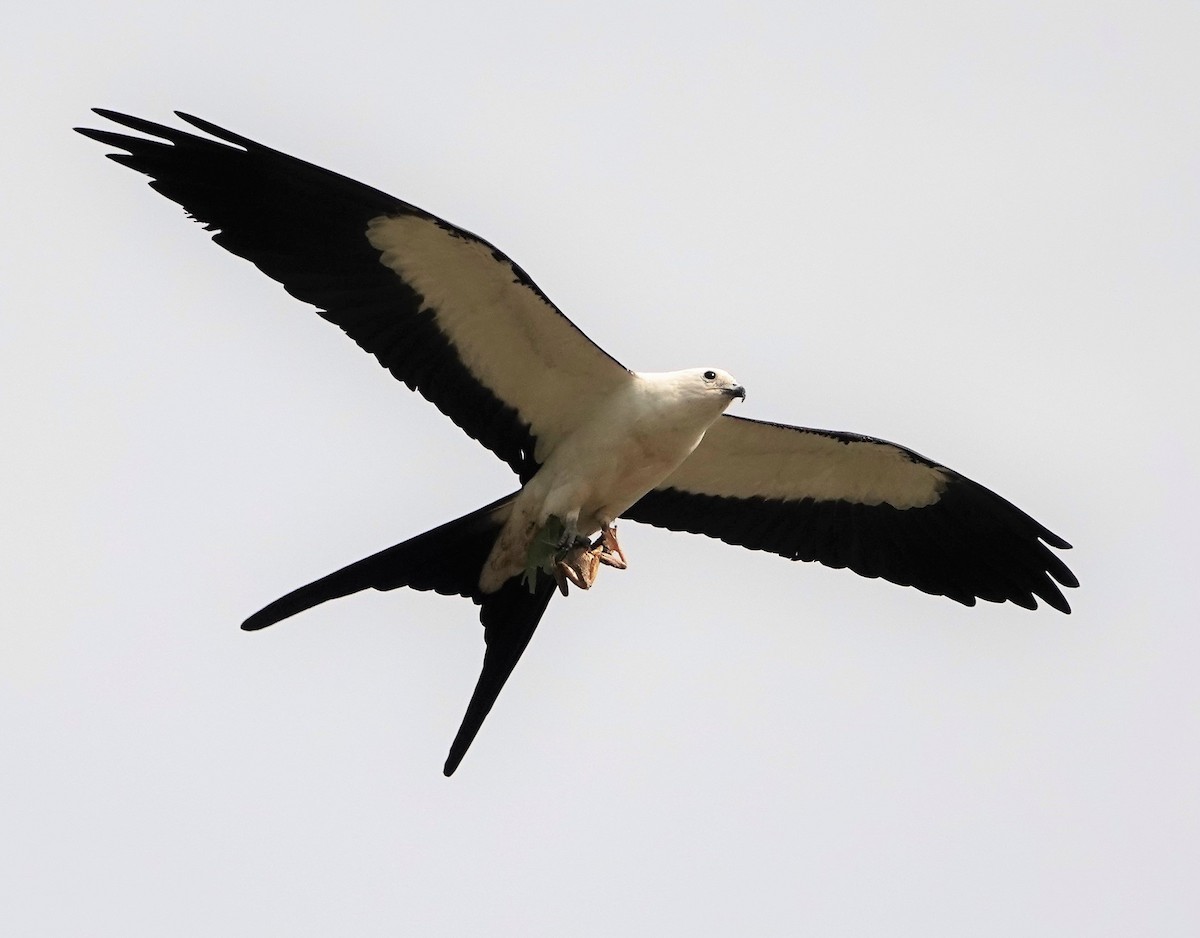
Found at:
<point>971,228</point>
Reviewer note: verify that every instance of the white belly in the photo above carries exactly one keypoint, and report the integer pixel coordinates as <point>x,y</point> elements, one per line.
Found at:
<point>620,471</point>
<point>595,475</point>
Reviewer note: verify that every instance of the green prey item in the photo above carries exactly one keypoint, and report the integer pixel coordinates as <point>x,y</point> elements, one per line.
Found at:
<point>545,550</point>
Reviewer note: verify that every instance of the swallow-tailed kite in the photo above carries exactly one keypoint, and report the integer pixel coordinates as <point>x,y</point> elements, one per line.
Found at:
<point>589,440</point>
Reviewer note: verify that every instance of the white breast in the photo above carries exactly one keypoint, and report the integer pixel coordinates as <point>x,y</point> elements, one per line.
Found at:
<point>633,441</point>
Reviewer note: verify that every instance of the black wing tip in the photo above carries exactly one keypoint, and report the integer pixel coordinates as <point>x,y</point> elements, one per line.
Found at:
<point>110,114</point>
<point>1049,594</point>
<point>1056,600</point>
<point>1052,539</point>
<point>130,121</point>
<point>142,125</point>
<point>1030,571</point>
<point>215,130</point>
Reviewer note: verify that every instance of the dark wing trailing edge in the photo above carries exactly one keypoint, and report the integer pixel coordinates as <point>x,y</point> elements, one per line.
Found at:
<point>871,506</point>
<point>447,560</point>
<point>444,311</point>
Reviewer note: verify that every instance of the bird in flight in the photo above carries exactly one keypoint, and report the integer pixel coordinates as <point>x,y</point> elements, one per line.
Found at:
<point>589,440</point>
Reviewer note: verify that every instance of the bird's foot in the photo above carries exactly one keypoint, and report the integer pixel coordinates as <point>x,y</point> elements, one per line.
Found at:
<point>580,564</point>
<point>610,550</point>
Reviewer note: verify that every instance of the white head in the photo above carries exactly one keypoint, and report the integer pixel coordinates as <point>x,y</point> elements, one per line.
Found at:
<point>710,386</point>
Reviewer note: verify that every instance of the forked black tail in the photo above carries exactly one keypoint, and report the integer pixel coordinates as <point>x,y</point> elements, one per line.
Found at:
<point>448,560</point>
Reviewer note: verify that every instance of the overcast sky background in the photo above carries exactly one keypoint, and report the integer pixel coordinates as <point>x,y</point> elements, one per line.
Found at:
<point>971,228</point>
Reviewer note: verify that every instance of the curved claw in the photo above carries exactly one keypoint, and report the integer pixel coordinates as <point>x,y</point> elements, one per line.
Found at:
<point>610,550</point>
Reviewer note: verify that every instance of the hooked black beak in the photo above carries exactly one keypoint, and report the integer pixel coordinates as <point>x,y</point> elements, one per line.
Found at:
<point>736,391</point>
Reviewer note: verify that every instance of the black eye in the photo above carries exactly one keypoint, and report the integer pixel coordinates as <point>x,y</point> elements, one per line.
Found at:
<point>710,375</point>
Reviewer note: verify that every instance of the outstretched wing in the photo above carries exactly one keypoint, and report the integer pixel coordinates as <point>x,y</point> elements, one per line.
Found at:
<point>443,310</point>
<point>853,501</point>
